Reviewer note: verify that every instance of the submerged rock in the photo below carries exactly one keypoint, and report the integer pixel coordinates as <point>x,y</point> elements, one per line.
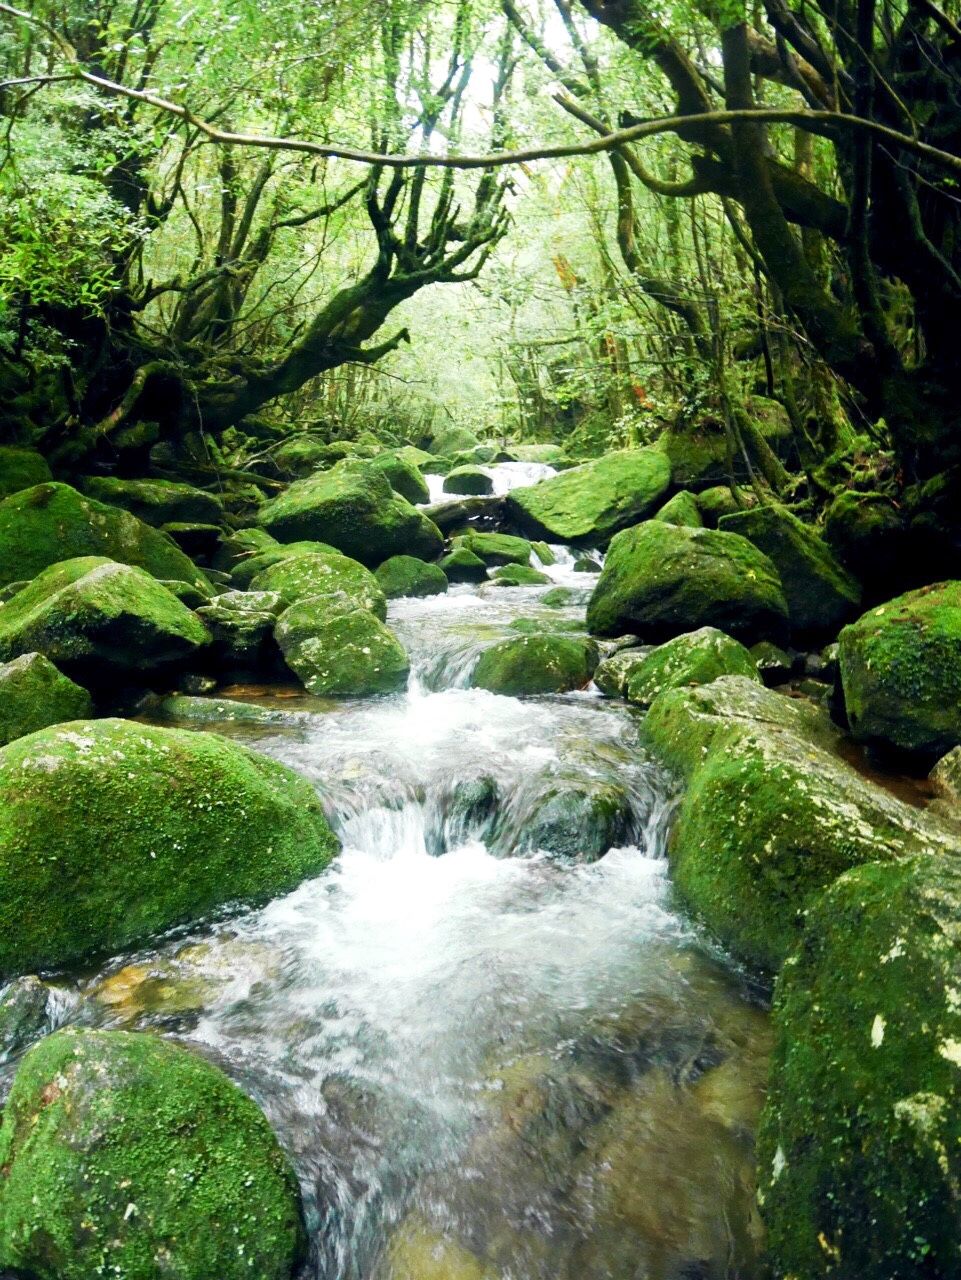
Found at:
<point>34,694</point>
<point>157,502</point>
<point>860,1149</point>
<point>123,1146</point>
<point>53,522</point>
<point>771,814</point>
<point>306,577</point>
<point>340,652</point>
<point>353,508</point>
<point>535,664</point>
<point>407,576</point>
<point>590,503</point>
<point>660,580</point>
<point>696,658</point>
<point>900,670</point>
<point>519,575</point>
<point>91,613</point>
<point>112,831</point>
<point>580,819</point>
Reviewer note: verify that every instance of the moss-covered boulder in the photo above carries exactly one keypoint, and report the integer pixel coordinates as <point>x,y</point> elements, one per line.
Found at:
<point>535,664</point>
<point>157,502</point>
<point>771,814</point>
<point>821,595</point>
<point>242,625</point>
<point>307,576</point>
<point>403,476</point>
<point>353,508</point>
<point>901,672</point>
<point>52,522</point>
<point>247,568</point>
<point>240,546</point>
<point>519,575</point>
<point>408,576</point>
<point>91,613</point>
<point>21,469</point>
<point>719,501</point>
<point>695,658</point>
<point>590,503</point>
<point>126,1155</point>
<point>660,580</point>
<point>614,671</point>
<point>681,509</point>
<point>419,458</point>
<point>463,565</point>
<point>868,532</point>
<point>496,548</point>
<point>551,455</point>
<point>450,439</point>
<point>112,831</point>
<point>860,1146</point>
<point>341,652</point>
<point>560,598</point>
<point>468,479</point>
<point>702,454</point>
<point>34,694</point>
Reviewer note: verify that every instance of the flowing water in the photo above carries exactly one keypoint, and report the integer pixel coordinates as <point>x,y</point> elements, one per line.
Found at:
<point>487,1061</point>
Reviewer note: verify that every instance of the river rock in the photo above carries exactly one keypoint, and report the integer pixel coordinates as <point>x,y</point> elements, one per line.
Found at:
<point>519,575</point>
<point>124,1146</point>
<point>821,595</point>
<point>860,1148</point>
<point>53,522</point>
<point>681,509</point>
<point>91,613</point>
<point>660,580</point>
<point>111,831</point>
<point>341,652</point>
<point>419,458</point>
<point>692,659</point>
<point>185,708</point>
<point>771,814</point>
<point>23,1014</point>
<point>580,820</point>
<point>242,625</point>
<point>157,502</point>
<point>304,577</point>
<point>590,503</point>
<point>901,672</point>
<point>461,515</point>
<point>353,508</point>
<point>462,565</point>
<point>468,479</point>
<point>403,476</point>
<point>240,545</point>
<point>496,548</point>
<point>244,572</point>
<point>34,694</point>
<point>535,664</point>
<point>451,439</point>
<point>407,576</point>
<point>21,469</point>
<point>613,673</point>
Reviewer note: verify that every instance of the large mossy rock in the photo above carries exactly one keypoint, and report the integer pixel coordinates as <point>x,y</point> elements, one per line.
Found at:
<point>614,671</point>
<point>407,576</point>
<point>519,575</point>
<point>901,672</point>
<point>702,455</point>
<point>698,657</point>
<point>821,595</point>
<point>468,479</point>
<point>34,694</point>
<point>590,503</point>
<point>340,652</point>
<point>535,664</point>
<point>93,616</point>
<point>403,476</point>
<point>125,1155</point>
<point>21,469</point>
<point>353,508</point>
<point>112,831</point>
<point>447,440</point>
<point>463,565</point>
<point>305,576</point>
<point>681,509</point>
<point>860,1147</point>
<point>157,502</point>
<point>771,815</point>
<point>52,522</point>
<point>868,532</point>
<point>496,548</point>
<point>242,626</point>
<point>660,580</point>
<point>243,573</point>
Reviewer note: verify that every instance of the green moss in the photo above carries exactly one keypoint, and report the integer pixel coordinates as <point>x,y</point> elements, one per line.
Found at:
<point>695,658</point>
<point>241,624</point>
<point>496,548</point>
<point>419,458</point>
<point>551,454</point>
<point>126,1155</point>
<point>408,576</point>
<point>660,580</point>
<point>535,664</point>
<point>157,502</point>
<point>353,508</point>
<point>305,576</point>
<point>111,831</point>
<point>867,531</point>
<point>34,694</point>
<point>860,1147</point>
<point>21,469</point>
<point>403,475</point>
<point>468,479</point>
<point>53,522</point>
<point>341,653</point>
<point>90,611</point>
<point>718,501</point>
<point>821,595</point>
<point>519,575</point>
<point>901,672</point>
<point>681,509</point>
<point>462,565</point>
<point>246,569</point>
<point>590,503</point>
<point>240,545</point>
<point>560,598</point>
<point>701,454</point>
<point>613,673</point>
